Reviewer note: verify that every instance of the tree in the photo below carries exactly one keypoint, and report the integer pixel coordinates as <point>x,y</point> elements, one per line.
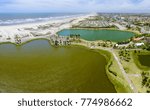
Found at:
<point>148,48</point>
<point>56,43</point>
<point>99,44</point>
<point>135,51</point>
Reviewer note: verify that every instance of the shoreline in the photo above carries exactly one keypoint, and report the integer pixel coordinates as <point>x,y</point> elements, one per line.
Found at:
<point>41,29</point>
<point>52,28</point>
<point>113,29</point>
<point>106,54</point>
<point>101,52</point>
<point>137,62</point>
<point>46,29</point>
<point>121,86</point>
<point>119,83</point>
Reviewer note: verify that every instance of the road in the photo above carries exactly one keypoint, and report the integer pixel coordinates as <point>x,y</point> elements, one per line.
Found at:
<point>125,75</point>
<point>132,86</point>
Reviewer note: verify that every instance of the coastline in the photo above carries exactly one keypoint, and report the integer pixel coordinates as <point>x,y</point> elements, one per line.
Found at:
<point>119,82</point>
<point>24,31</point>
<point>120,85</point>
<point>52,28</point>
<point>80,46</point>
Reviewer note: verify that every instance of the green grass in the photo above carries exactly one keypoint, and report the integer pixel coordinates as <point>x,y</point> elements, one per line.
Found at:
<point>118,81</point>
<point>133,66</point>
<point>120,84</point>
<point>129,66</point>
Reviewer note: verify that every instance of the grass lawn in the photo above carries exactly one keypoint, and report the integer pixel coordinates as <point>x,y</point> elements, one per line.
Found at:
<point>113,71</point>
<point>133,68</point>
<point>118,80</point>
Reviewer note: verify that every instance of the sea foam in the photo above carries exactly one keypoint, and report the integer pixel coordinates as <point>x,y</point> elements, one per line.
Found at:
<point>33,20</point>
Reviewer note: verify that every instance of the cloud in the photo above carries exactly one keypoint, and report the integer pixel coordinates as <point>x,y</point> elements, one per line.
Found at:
<point>75,6</point>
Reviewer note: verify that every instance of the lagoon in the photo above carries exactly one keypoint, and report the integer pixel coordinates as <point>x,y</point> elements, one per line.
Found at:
<point>92,35</point>
<point>39,67</point>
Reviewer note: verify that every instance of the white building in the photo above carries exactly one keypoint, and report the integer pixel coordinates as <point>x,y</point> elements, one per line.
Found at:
<point>139,44</point>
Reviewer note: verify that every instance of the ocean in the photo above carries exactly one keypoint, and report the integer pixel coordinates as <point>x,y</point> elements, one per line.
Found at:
<point>22,18</point>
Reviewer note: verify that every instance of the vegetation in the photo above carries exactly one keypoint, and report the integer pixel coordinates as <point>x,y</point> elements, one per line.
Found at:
<point>113,71</point>
<point>105,44</point>
<point>136,61</point>
<point>146,80</point>
<point>115,74</point>
<point>123,42</point>
<point>147,46</point>
<point>125,55</point>
<point>141,35</point>
<point>133,67</point>
<point>74,38</point>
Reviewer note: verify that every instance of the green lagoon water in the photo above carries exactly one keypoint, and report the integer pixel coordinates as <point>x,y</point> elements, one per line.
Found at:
<point>39,67</point>
<point>144,60</point>
<point>92,35</point>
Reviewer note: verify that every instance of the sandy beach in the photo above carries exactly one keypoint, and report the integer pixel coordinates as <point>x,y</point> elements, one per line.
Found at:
<point>26,32</point>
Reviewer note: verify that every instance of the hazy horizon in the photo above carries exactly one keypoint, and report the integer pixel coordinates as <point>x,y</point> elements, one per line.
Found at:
<point>74,6</point>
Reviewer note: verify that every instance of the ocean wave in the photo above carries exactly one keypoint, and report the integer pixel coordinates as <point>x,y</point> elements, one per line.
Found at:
<point>32,20</point>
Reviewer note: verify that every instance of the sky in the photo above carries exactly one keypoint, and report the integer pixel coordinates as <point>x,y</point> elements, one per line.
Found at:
<point>109,6</point>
